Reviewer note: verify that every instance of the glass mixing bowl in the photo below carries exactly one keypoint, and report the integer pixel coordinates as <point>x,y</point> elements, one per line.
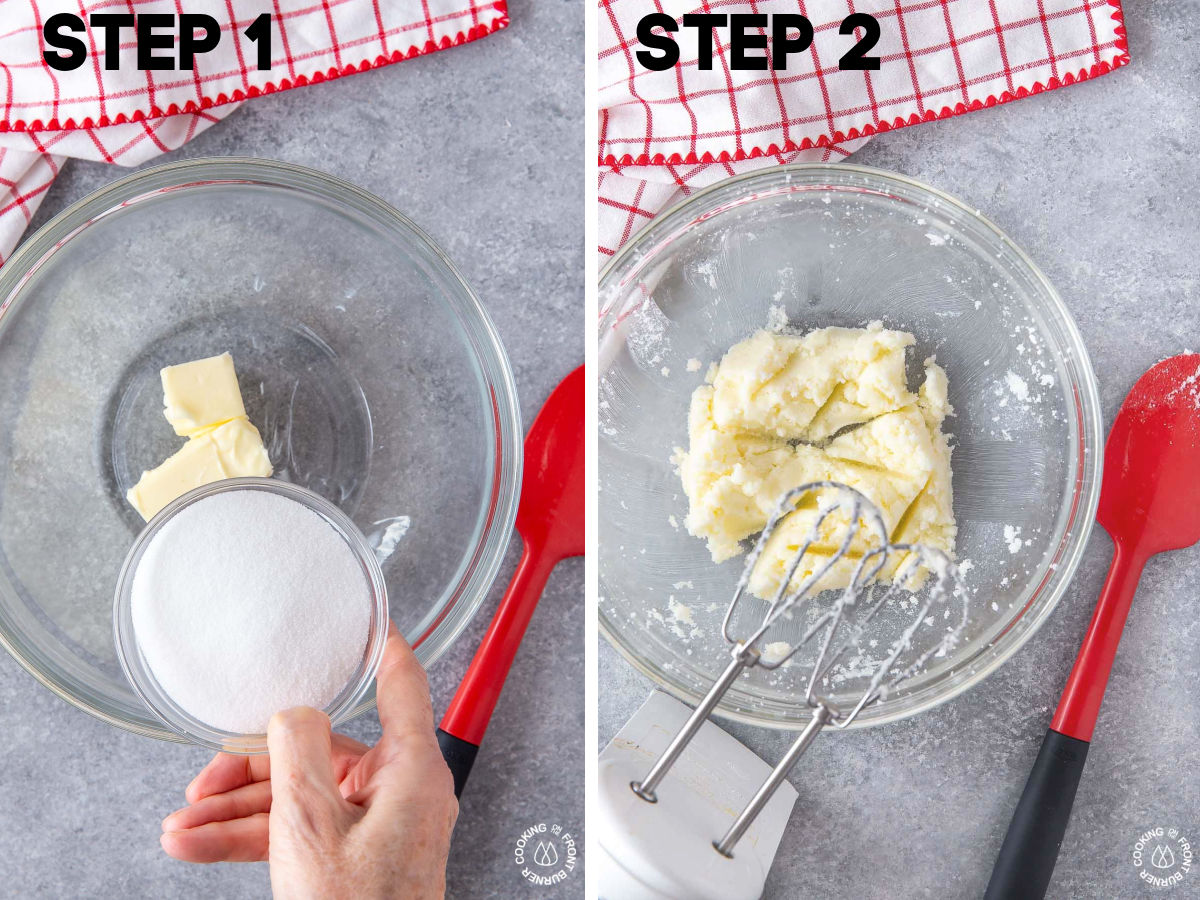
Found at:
<point>812,246</point>
<point>369,366</point>
<point>141,675</point>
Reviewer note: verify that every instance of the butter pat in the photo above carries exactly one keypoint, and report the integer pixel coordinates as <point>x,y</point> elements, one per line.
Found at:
<point>232,450</point>
<point>203,402</point>
<point>200,394</point>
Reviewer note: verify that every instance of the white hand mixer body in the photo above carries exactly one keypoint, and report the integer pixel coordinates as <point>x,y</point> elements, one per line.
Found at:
<point>683,837</point>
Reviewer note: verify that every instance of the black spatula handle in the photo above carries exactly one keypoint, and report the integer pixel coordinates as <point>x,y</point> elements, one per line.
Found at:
<point>1030,848</point>
<point>459,756</point>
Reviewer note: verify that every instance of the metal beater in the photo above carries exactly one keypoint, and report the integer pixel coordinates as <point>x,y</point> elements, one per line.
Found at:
<point>846,620</point>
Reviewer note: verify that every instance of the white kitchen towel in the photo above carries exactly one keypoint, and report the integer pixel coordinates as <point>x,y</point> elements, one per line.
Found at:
<point>127,115</point>
<point>665,134</point>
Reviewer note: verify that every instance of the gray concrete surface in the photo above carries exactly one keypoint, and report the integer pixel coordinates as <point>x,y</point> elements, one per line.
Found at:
<point>1100,184</point>
<point>482,146</point>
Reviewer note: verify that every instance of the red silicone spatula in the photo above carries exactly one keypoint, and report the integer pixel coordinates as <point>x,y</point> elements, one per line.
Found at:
<point>550,519</point>
<point>1149,502</point>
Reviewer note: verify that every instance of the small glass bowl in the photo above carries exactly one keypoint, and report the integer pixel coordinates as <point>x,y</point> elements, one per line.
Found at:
<point>140,676</point>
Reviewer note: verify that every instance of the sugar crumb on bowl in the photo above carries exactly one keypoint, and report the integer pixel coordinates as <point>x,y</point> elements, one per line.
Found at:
<point>1017,385</point>
<point>1012,538</point>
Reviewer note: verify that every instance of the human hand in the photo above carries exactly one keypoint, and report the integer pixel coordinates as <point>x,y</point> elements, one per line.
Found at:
<point>333,817</point>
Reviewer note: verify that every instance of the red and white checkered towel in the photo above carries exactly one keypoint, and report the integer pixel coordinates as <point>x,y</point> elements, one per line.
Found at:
<point>664,134</point>
<point>127,116</point>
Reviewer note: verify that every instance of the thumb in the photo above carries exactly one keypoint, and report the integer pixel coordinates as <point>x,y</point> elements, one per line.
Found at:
<point>302,778</point>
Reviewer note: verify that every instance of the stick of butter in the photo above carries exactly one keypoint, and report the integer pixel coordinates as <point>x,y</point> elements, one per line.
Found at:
<point>231,450</point>
<point>202,401</point>
<point>200,394</point>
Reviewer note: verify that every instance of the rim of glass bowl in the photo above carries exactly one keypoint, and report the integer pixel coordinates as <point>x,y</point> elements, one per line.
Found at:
<point>1086,439</point>
<point>141,676</point>
<point>466,592</point>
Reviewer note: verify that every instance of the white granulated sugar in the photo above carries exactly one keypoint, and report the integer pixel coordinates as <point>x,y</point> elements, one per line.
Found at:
<point>682,612</point>
<point>1017,385</point>
<point>648,341</point>
<point>247,603</point>
<point>1189,387</point>
<point>1012,538</point>
<point>777,318</point>
<point>708,269</point>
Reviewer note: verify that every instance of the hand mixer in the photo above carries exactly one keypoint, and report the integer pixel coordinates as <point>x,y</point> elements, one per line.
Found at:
<point>680,837</point>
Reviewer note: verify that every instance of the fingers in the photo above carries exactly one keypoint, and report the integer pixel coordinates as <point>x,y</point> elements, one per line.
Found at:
<point>402,692</point>
<point>222,796</point>
<point>238,840</point>
<point>302,774</point>
<point>240,803</point>
<point>406,763</point>
<point>346,752</point>
<point>224,773</point>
